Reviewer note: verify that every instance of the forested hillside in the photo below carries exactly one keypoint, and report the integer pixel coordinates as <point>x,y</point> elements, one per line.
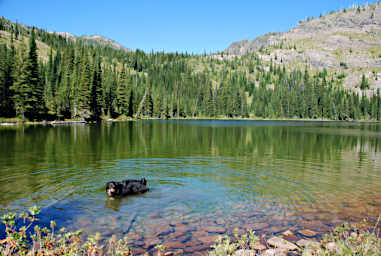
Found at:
<point>46,76</point>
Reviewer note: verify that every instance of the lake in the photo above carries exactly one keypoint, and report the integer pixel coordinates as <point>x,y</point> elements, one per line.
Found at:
<point>206,177</point>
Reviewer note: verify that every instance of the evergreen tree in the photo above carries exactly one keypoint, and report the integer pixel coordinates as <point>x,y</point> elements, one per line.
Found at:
<point>84,99</point>
<point>96,97</point>
<point>6,81</point>
<point>28,89</point>
<point>122,99</point>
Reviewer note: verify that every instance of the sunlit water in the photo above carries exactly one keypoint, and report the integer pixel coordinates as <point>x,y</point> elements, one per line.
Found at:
<point>206,177</point>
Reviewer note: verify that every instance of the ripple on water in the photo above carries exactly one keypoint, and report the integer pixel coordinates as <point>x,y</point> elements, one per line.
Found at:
<point>260,184</point>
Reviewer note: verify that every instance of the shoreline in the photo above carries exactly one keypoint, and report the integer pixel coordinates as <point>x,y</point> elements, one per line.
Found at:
<point>74,122</point>
<point>356,238</point>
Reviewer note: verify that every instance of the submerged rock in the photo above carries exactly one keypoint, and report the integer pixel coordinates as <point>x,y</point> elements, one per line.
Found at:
<point>255,226</point>
<point>208,239</point>
<point>173,245</point>
<point>220,221</point>
<point>278,242</point>
<point>287,233</point>
<point>307,232</point>
<point>215,229</point>
<point>162,230</point>
<point>151,242</point>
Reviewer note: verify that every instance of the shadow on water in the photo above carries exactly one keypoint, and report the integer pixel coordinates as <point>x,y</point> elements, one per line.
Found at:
<point>205,176</point>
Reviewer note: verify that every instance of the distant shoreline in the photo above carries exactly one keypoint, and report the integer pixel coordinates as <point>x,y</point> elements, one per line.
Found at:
<point>74,122</point>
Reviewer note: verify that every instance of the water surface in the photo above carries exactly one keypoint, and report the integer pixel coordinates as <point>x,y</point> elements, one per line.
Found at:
<point>206,177</point>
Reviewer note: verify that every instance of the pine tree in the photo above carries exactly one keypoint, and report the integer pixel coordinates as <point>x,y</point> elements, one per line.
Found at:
<point>148,105</point>
<point>21,90</point>
<point>157,105</point>
<point>122,100</point>
<point>96,97</point>
<point>32,67</point>
<point>131,104</point>
<point>85,85</point>
<point>28,89</point>
<point>6,80</point>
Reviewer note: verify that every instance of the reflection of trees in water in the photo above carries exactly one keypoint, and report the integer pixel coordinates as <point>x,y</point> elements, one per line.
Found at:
<point>28,153</point>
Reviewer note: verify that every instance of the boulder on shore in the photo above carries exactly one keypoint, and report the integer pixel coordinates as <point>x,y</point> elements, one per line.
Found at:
<point>278,242</point>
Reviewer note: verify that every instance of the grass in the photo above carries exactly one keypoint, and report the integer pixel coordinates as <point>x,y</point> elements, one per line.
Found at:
<point>344,240</point>
<point>10,120</point>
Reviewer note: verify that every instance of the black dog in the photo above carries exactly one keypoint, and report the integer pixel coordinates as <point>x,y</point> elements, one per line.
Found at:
<point>126,187</point>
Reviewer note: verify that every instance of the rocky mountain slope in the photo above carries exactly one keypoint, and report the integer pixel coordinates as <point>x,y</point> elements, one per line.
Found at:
<point>348,40</point>
<point>95,39</point>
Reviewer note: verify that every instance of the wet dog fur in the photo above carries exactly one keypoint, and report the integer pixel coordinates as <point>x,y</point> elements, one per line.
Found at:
<point>126,187</point>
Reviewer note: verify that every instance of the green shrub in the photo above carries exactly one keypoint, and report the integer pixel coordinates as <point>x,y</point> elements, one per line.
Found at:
<point>45,241</point>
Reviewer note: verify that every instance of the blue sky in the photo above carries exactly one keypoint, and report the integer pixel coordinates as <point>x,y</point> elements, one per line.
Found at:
<point>195,26</point>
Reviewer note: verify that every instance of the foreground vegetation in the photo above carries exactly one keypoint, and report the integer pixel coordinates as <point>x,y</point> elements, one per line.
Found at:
<point>20,240</point>
<point>45,76</point>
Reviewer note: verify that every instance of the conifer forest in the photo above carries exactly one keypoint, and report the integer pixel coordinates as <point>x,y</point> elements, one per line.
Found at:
<point>46,76</point>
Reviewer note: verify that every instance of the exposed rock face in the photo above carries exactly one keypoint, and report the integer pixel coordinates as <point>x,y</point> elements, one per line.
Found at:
<point>366,22</point>
<point>349,41</point>
<point>94,40</point>
<point>245,46</point>
<point>105,41</point>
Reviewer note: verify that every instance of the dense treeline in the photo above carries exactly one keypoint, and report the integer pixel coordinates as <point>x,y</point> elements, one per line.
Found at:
<point>80,80</point>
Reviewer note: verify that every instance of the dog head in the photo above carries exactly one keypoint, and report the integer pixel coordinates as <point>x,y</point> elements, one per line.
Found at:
<point>112,189</point>
<point>143,181</point>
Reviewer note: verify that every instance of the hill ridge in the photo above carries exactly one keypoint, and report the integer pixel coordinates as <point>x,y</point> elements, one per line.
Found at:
<point>347,41</point>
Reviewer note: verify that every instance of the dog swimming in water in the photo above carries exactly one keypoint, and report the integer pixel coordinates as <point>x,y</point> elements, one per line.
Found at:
<point>126,187</point>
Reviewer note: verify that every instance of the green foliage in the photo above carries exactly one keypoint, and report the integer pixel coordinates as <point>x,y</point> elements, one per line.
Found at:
<point>44,241</point>
<point>225,246</point>
<point>343,65</point>
<point>350,240</point>
<point>364,83</point>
